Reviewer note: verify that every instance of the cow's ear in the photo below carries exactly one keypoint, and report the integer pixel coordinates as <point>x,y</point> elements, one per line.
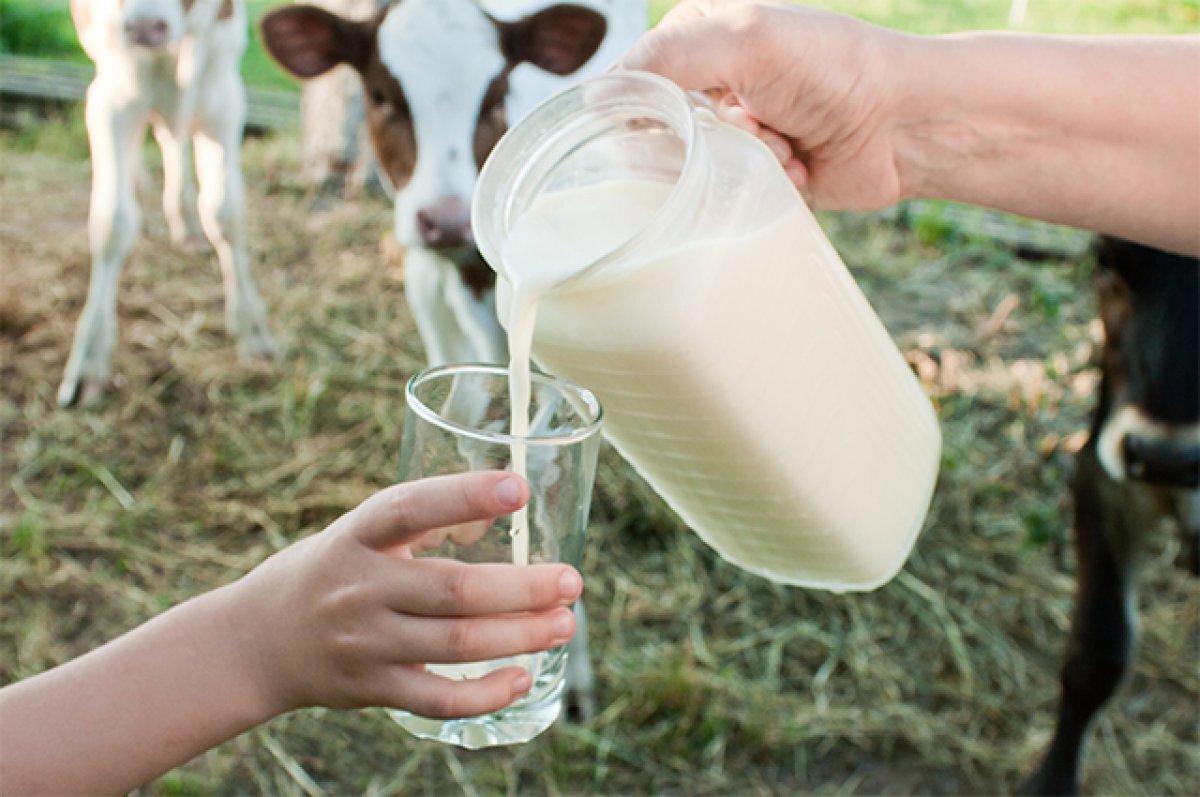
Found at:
<point>309,41</point>
<point>559,39</point>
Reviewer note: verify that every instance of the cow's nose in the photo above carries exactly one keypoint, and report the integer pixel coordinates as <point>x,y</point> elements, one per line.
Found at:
<point>146,32</point>
<point>1165,462</point>
<point>446,224</point>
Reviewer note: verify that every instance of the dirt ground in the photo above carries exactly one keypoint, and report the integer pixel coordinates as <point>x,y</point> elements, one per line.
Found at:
<point>195,467</point>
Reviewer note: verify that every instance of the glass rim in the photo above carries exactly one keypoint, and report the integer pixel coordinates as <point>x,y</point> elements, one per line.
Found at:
<point>562,386</point>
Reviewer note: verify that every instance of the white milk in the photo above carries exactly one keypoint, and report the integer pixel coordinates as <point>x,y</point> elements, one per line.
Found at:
<point>535,271</point>
<point>746,378</point>
<point>471,670</point>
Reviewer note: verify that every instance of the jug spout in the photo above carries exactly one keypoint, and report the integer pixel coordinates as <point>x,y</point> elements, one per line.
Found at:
<point>622,126</point>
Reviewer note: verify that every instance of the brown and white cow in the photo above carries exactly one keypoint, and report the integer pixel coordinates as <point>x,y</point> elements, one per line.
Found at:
<point>171,64</point>
<point>1139,466</point>
<point>442,81</point>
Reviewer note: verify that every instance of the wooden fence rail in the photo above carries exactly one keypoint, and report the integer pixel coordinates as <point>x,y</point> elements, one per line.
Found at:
<point>45,80</point>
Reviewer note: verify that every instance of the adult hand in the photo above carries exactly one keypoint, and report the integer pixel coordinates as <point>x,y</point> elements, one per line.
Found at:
<point>348,618</point>
<point>815,86</point>
<point>1041,126</point>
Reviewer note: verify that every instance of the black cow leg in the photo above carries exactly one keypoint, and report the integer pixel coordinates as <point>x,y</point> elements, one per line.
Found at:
<point>1103,629</point>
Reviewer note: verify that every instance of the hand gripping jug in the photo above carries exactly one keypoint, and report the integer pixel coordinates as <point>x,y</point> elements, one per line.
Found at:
<point>679,275</point>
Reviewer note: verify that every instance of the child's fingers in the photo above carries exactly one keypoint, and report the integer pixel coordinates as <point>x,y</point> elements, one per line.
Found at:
<point>429,695</point>
<point>445,588</point>
<point>402,511</point>
<point>460,639</point>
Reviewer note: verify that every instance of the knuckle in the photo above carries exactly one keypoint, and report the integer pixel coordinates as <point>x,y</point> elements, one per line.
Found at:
<point>402,510</point>
<point>346,648</point>
<point>543,588</point>
<point>444,703</point>
<point>339,603</point>
<point>543,637</point>
<point>458,590</point>
<point>748,18</point>
<point>480,503</point>
<point>462,640</point>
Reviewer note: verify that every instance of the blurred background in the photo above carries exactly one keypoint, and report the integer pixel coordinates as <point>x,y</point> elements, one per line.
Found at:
<point>711,681</point>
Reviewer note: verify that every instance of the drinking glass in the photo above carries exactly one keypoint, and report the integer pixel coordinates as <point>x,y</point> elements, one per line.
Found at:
<point>458,419</point>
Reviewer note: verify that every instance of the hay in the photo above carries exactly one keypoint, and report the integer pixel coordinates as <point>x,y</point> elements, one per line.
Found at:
<point>712,682</point>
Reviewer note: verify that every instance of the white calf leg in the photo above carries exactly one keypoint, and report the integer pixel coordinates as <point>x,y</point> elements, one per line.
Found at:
<point>425,276</point>
<point>114,136</point>
<point>221,206</point>
<point>476,318</point>
<point>179,189</point>
<point>579,702</point>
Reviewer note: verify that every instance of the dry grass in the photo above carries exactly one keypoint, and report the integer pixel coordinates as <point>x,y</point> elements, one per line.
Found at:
<point>713,682</point>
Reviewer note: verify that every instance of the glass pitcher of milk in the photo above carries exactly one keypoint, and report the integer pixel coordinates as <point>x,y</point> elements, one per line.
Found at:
<point>662,259</point>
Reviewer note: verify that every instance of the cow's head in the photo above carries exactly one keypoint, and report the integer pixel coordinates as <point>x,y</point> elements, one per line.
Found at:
<point>435,76</point>
<point>145,23</point>
<point>1150,401</point>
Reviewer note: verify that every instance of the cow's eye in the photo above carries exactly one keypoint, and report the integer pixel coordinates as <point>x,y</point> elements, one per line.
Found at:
<point>376,97</point>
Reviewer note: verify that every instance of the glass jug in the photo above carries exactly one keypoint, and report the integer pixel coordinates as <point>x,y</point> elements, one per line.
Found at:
<point>743,373</point>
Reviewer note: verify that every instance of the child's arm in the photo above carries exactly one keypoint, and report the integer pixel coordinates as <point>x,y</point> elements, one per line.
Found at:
<point>344,618</point>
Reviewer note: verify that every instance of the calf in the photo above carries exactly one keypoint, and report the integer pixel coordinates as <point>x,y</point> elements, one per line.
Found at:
<point>442,79</point>
<point>1140,465</point>
<point>437,76</point>
<point>172,64</point>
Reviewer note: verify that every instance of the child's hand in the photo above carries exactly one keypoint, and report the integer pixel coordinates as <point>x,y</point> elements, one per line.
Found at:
<point>347,618</point>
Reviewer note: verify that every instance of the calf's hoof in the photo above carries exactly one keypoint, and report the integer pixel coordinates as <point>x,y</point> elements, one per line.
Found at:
<point>1046,783</point>
<point>255,342</point>
<point>80,390</point>
<point>579,706</point>
<point>191,242</point>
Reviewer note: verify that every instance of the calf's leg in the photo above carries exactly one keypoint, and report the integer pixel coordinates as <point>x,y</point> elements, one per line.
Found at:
<point>217,145</point>
<point>179,189</point>
<point>114,136</point>
<point>579,700</point>
<point>1110,517</point>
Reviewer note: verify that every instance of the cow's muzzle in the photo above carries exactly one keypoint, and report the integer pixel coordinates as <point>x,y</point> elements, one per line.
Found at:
<point>1135,447</point>
<point>1161,461</point>
<point>147,32</point>
<point>445,225</point>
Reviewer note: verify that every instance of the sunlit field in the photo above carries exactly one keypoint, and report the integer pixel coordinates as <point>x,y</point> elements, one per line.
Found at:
<point>194,468</point>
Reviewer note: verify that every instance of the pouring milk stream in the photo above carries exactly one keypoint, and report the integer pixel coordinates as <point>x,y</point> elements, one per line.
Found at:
<point>662,260</point>
<point>555,241</point>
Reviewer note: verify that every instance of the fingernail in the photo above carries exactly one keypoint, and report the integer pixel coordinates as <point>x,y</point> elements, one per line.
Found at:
<point>508,491</point>
<point>563,625</point>
<point>521,684</point>
<point>737,116</point>
<point>570,584</point>
<point>797,173</point>
<point>780,148</point>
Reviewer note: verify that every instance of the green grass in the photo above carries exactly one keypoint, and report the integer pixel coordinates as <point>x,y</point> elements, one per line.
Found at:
<point>1048,16</point>
<point>711,681</point>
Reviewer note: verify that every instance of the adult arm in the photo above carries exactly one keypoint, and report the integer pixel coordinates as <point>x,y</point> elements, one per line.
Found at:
<point>1101,133</point>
